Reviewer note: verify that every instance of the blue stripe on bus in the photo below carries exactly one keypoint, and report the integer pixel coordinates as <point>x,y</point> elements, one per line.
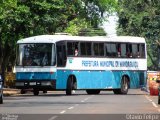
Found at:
<point>35,76</point>
<point>100,79</point>
<point>88,79</point>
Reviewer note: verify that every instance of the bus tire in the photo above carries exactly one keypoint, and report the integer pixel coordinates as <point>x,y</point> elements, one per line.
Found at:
<point>69,86</point>
<point>1,99</point>
<point>116,91</point>
<point>91,92</point>
<point>36,92</point>
<point>44,91</point>
<point>22,91</point>
<point>124,86</point>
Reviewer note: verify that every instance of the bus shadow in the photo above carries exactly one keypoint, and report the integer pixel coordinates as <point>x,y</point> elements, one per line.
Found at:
<point>64,95</point>
<point>77,93</point>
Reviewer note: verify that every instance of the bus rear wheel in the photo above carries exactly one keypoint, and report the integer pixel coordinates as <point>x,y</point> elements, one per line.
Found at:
<point>22,91</point>
<point>93,91</point>
<point>36,92</point>
<point>124,86</point>
<point>71,85</point>
<point>1,99</point>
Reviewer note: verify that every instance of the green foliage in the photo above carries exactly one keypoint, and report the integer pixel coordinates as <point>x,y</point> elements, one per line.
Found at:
<point>93,10</point>
<point>141,18</point>
<point>83,28</point>
<point>92,32</point>
<point>76,25</point>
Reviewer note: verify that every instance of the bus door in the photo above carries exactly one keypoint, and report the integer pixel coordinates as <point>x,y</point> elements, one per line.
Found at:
<point>61,54</point>
<point>61,63</point>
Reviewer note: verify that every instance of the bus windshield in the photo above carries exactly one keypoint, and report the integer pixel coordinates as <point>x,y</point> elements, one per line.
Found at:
<point>36,54</point>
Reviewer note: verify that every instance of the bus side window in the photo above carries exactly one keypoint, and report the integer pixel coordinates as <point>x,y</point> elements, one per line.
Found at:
<point>85,48</point>
<point>101,49</point>
<point>134,50</point>
<point>95,49</point>
<point>123,50</point>
<point>142,51</point>
<point>72,47</point>
<point>138,51</point>
<point>76,49</point>
<point>76,53</point>
<point>119,50</point>
<point>110,49</point>
<point>113,50</point>
<point>107,49</point>
<point>98,49</point>
<point>82,47</point>
<point>129,50</point>
<point>89,48</point>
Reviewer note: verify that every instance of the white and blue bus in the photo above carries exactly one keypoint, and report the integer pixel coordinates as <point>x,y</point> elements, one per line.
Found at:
<point>64,62</point>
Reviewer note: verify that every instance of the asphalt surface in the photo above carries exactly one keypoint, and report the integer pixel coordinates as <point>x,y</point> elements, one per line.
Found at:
<point>56,105</point>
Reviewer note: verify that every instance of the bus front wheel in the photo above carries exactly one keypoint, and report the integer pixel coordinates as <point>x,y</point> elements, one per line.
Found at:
<point>71,85</point>
<point>1,99</point>
<point>124,86</point>
<point>22,91</point>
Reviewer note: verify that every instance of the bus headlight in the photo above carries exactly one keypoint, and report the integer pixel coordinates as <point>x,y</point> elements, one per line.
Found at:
<point>46,83</point>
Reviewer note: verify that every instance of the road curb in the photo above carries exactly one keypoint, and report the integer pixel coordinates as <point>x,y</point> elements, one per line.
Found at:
<point>9,92</point>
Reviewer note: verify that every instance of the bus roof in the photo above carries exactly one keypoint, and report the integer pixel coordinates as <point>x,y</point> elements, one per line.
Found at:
<point>56,38</point>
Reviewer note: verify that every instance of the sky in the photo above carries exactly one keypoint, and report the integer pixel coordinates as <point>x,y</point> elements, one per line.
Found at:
<point>110,26</point>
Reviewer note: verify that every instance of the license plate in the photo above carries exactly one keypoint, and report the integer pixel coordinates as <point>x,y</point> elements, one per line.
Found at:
<point>32,83</point>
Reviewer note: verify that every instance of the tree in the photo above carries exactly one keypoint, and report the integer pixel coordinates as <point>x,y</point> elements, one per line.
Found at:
<point>7,43</point>
<point>141,18</point>
<point>83,28</point>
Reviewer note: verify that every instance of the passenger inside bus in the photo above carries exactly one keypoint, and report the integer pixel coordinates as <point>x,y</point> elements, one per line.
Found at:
<point>76,52</point>
<point>138,54</point>
<point>119,50</point>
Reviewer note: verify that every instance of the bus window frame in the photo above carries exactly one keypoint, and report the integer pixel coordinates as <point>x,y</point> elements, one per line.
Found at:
<point>99,54</point>
<point>64,61</point>
<point>86,48</point>
<point>74,47</point>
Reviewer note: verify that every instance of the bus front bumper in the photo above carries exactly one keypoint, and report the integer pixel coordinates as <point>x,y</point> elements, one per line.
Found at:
<point>38,84</point>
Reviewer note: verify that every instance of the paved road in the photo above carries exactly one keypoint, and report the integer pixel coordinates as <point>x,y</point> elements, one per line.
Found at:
<point>136,102</point>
